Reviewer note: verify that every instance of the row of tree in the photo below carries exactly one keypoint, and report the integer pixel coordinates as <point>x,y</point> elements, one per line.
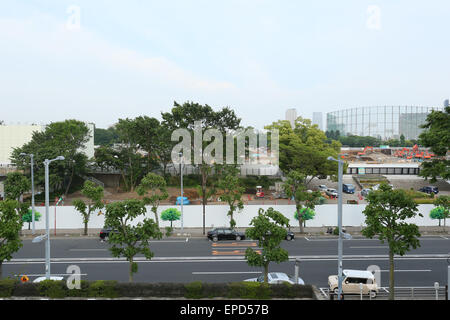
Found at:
<point>362,141</point>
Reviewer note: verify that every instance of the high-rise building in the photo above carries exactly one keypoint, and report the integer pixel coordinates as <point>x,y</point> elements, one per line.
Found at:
<point>446,103</point>
<point>291,116</point>
<point>318,119</point>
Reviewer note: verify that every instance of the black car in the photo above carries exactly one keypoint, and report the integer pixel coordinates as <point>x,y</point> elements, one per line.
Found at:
<point>289,236</point>
<point>104,233</point>
<point>429,189</point>
<point>225,234</point>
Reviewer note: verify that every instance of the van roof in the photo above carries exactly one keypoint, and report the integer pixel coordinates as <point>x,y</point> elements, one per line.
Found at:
<point>358,274</point>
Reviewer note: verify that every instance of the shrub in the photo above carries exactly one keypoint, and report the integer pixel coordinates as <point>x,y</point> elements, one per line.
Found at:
<point>249,290</point>
<point>52,289</point>
<point>193,290</point>
<point>82,292</point>
<point>102,288</point>
<point>7,287</point>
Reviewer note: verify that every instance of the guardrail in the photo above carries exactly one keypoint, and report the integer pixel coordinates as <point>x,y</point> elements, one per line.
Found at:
<point>419,293</point>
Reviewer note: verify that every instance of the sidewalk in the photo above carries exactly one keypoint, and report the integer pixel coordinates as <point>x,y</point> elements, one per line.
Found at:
<point>198,232</point>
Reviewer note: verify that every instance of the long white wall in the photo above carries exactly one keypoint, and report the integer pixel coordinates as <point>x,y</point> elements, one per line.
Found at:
<point>216,215</point>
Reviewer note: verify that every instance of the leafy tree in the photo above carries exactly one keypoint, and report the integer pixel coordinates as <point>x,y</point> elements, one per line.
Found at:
<point>436,136</point>
<point>156,186</point>
<point>171,214</point>
<point>231,191</point>
<point>184,116</point>
<point>10,226</point>
<point>94,194</point>
<point>386,213</point>
<point>305,214</point>
<point>442,210</point>
<point>28,217</point>
<point>305,149</point>
<point>66,138</point>
<point>105,137</point>
<point>269,228</point>
<point>15,185</point>
<point>130,240</point>
<point>294,186</point>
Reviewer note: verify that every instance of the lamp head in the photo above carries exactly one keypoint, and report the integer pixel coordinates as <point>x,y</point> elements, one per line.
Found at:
<point>60,158</point>
<point>331,158</point>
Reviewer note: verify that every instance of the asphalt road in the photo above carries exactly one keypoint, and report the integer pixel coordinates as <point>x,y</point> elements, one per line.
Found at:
<point>197,259</point>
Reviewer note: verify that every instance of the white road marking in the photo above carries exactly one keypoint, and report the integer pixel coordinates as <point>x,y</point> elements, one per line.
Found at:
<point>407,270</point>
<point>370,247</point>
<point>88,249</point>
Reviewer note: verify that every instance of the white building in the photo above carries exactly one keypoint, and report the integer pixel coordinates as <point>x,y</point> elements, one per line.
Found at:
<point>318,119</point>
<point>15,136</point>
<point>291,116</point>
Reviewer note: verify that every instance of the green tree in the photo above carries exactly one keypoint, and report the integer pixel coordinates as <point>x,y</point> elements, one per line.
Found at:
<point>66,138</point>
<point>10,225</point>
<point>28,217</point>
<point>305,214</point>
<point>155,187</point>
<point>386,213</point>
<point>442,210</point>
<point>294,186</point>
<point>105,137</point>
<point>15,185</point>
<point>184,116</point>
<point>231,191</point>
<point>269,228</point>
<point>437,137</point>
<point>171,214</point>
<point>130,240</point>
<point>94,195</point>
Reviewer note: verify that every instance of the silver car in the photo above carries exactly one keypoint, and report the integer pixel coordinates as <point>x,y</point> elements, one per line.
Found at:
<point>332,193</point>
<point>276,278</point>
<point>322,187</point>
<point>365,192</point>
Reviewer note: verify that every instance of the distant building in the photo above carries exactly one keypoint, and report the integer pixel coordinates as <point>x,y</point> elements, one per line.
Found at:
<point>318,119</point>
<point>384,122</point>
<point>446,103</point>
<point>15,136</point>
<point>291,116</point>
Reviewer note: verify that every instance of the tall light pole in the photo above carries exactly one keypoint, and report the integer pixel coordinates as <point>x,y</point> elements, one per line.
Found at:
<point>47,244</point>
<point>32,191</point>
<point>181,181</point>
<point>340,172</point>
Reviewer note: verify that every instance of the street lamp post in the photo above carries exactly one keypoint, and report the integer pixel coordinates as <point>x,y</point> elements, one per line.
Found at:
<point>32,190</point>
<point>47,243</point>
<point>340,246</point>
<point>181,182</point>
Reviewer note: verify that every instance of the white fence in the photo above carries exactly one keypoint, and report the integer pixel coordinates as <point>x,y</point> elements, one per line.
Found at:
<point>216,215</point>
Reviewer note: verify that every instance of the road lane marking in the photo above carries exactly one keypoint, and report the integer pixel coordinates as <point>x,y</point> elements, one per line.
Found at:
<point>234,244</point>
<point>88,249</point>
<point>370,247</point>
<point>406,270</point>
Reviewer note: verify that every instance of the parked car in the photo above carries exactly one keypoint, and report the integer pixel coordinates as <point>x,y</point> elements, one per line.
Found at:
<point>276,278</point>
<point>289,236</point>
<point>332,192</point>
<point>352,280</point>
<point>365,192</point>
<point>429,189</point>
<point>322,187</point>
<point>225,234</point>
<point>348,188</point>
<point>104,233</point>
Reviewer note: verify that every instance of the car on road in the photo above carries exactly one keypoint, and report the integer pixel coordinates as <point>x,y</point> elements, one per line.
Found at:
<point>322,187</point>
<point>429,189</point>
<point>276,278</point>
<point>365,192</point>
<point>105,232</point>
<point>225,234</point>
<point>332,192</point>
<point>348,188</point>
<point>54,278</point>
<point>352,280</point>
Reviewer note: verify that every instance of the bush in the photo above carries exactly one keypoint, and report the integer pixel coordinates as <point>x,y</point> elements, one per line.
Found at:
<point>82,292</point>
<point>249,290</point>
<point>52,289</point>
<point>7,287</point>
<point>102,288</point>
<point>193,290</point>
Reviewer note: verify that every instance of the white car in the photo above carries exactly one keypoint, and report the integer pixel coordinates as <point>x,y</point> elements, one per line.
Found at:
<point>322,187</point>
<point>332,192</point>
<point>276,278</point>
<point>354,281</point>
<point>55,278</point>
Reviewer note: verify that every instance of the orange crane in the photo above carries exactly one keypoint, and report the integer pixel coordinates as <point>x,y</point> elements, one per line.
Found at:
<point>367,148</point>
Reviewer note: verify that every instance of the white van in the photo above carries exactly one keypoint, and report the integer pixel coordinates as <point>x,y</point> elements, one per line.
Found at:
<point>351,282</point>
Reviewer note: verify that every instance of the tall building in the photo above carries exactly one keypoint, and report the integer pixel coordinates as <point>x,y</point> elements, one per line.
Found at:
<point>291,116</point>
<point>380,122</point>
<point>318,119</point>
<point>446,103</point>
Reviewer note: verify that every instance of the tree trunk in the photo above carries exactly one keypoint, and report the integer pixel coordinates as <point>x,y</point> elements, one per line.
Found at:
<point>1,270</point>
<point>85,228</point>
<point>266,273</point>
<point>130,279</point>
<point>391,275</point>
<point>155,211</point>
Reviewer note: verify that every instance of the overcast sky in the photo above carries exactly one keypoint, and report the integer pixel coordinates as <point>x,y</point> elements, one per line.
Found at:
<point>102,60</point>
